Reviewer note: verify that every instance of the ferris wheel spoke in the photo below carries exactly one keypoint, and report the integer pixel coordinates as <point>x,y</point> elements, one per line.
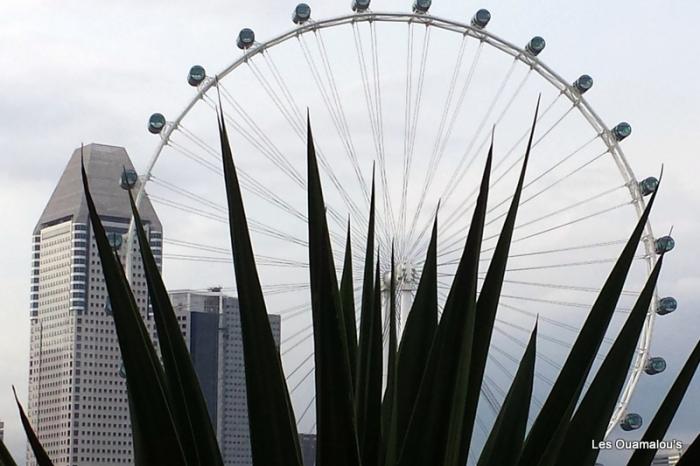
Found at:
<point>413,109</point>
<point>298,367</point>
<point>297,126</point>
<point>303,379</point>
<point>296,334</point>
<point>464,162</point>
<point>256,136</point>
<point>561,210</point>
<point>465,207</point>
<point>562,325</point>
<point>300,342</point>
<point>372,96</point>
<point>420,244</point>
<point>306,409</point>
<point>560,286</point>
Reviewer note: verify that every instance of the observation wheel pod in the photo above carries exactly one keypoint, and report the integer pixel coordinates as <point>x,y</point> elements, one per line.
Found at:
<point>421,6</point>
<point>360,6</point>
<point>583,84</point>
<point>655,365</point>
<point>128,179</point>
<point>196,75</point>
<point>122,371</point>
<point>246,39</point>
<point>621,131</point>
<point>667,305</point>
<point>535,46</point>
<point>108,306</point>
<point>156,123</point>
<point>631,421</point>
<point>115,240</point>
<point>301,14</point>
<point>664,244</point>
<point>648,185</point>
<point>481,18</point>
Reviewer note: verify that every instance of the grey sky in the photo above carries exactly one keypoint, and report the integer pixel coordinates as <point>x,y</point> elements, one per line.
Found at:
<point>83,71</point>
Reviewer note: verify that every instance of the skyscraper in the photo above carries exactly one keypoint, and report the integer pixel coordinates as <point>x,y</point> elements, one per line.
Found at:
<point>216,347</point>
<point>77,395</point>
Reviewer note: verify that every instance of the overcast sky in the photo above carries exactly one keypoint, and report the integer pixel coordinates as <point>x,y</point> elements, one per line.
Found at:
<point>79,71</point>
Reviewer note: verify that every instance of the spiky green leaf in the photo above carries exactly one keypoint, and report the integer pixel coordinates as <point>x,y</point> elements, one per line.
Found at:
<point>389,406</point>
<point>188,404</point>
<point>274,439</point>
<point>662,420</point>
<point>508,432</point>
<point>337,443</point>
<point>5,456</point>
<point>42,458</point>
<point>593,414</point>
<point>547,433</point>
<point>487,304</point>
<point>691,457</point>
<point>436,426</point>
<point>418,335</point>
<point>347,298</point>
<point>370,395</point>
<point>152,419</point>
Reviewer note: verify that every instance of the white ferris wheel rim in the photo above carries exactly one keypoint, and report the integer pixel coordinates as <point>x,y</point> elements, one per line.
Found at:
<point>519,54</point>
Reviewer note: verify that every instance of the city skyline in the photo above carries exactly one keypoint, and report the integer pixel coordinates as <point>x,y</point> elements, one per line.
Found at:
<point>662,133</point>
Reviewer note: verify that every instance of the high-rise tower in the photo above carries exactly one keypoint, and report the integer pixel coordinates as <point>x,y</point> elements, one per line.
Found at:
<point>216,346</point>
<point>77,395</point>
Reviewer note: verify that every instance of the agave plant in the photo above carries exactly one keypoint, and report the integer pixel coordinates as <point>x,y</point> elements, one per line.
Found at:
<point>439,362</point>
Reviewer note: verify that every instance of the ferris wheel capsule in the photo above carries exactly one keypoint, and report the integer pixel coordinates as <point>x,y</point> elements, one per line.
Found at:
<point>156,123</point>
<point>302,13</point>
<point>666,305</point>
<point>246,39</point>
<point>359,6</point>
<point>128,179</point>
<point>481,18</point>
<point>655,365</point>
<point>535,46</point>
<point>583,84</point>
<point>632,421</point>
<point>115,240</point>
<point>108,306</point>
<point>664,244</point>
<point>122,371</point>
<point>196,75</point>
<point>621,131</point>
<point>421,6</point>
<point>648,185</point>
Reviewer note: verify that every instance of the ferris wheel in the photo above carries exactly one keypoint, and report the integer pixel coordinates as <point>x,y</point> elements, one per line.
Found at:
<point>410,100</point>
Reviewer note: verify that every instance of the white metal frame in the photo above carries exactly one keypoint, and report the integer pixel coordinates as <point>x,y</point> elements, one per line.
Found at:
<point>516,52</point>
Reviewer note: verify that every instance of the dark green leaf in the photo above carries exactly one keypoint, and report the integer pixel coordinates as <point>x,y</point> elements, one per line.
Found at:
<point>547,433</point>
<point>370,431</point>
<point>508,432</point>
<point>436,426</point>
<point>595,410</point>
<point>42,458</point>
<point>417,338</point>
<point>337,443</point>
<point>487,304</point>
<point>274,439</point>
<point>347,298</point>
<point>151,416</point>
<point>662,420</point>
<point>691,457</point>
<point>5,457</point>
<point>188,405</point>
<point>370,313</point>
<point>389,406</point>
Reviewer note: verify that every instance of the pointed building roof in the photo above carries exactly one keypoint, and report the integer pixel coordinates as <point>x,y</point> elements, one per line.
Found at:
<point>104,166</point>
